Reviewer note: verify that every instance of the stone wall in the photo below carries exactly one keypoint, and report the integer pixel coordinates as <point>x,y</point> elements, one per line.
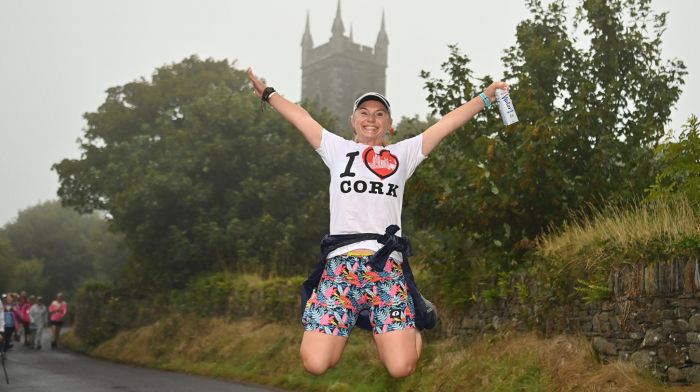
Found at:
<point>652,318</point>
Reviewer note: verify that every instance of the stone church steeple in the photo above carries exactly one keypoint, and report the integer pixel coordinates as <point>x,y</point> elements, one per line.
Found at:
<point>335,73</point>
<point>381,47</point>
<point>338,28</point>
<point>307,43</point>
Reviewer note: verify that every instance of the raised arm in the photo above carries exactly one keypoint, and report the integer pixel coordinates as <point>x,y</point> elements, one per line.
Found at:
<point>458,117</point>
<point>292,112</point>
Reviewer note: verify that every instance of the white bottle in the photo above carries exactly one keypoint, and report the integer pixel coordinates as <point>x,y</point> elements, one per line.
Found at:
<point>505,106</point>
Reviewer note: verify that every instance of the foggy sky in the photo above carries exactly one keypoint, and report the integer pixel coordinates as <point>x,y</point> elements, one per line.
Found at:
<point>57,58</point>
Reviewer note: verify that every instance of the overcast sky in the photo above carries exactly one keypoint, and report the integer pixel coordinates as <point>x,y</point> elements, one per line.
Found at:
<point>57,58</point>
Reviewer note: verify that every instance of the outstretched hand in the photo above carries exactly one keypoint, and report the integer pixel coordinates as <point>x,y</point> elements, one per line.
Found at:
<point>490,91</point>
<point>257,84</point>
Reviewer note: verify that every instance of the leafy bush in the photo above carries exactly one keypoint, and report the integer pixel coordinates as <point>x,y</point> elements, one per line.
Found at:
<point>92,322</point>
<point>103,309</point>
<point>592,104</point>
<point>681,165</point>
<point>240,295</point>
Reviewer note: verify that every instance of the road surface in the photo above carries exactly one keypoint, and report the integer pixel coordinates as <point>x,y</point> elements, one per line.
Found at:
<point>58,370</point>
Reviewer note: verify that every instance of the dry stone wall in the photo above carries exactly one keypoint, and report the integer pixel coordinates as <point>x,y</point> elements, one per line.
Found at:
<point>652,318</point>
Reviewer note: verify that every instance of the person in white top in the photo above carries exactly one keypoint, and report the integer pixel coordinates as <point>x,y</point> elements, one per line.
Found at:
<point>39,319</point>
<point>366,196</point>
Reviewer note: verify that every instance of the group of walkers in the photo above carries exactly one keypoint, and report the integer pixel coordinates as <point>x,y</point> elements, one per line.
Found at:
<point>26,317</point>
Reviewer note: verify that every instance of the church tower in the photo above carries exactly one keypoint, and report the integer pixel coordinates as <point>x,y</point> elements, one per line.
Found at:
<point>334,74</point>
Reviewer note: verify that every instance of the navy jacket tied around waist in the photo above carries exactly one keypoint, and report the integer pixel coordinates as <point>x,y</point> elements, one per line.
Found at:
<point>391,243</point>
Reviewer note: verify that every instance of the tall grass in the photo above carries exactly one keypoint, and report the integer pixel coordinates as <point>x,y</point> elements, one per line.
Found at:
<point>617,234</point>
<point>267,353</point>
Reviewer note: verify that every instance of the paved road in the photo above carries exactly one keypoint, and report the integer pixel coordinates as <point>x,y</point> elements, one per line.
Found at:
<point>49,370</point>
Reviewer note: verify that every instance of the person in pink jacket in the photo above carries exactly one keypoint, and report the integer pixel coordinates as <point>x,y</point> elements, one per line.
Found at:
<point>57,313</point>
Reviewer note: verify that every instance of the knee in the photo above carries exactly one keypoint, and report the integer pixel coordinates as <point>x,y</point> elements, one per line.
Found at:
<point>315,363</point>
<point>316,366</point>
<point>401,369</point>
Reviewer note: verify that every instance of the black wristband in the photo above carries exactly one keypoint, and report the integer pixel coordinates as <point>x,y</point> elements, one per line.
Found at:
<point>267,93</point>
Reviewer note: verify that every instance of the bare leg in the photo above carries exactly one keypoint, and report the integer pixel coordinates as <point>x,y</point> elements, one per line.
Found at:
<point>37,337</point>
<point>399,351</point>
<point>320,351</point>
<point>54,336</point>
<point>58,333</point>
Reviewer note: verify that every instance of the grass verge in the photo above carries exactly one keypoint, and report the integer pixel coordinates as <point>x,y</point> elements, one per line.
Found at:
<point>629,233</point>
<point>266,353</point>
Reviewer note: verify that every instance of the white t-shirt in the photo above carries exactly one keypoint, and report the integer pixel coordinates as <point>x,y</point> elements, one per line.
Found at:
<point>367,185</point>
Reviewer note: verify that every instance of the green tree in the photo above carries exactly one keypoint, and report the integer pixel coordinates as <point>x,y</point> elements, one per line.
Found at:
<point>58,249</point>
<point>680,162</point>
<point>411,126</point>
<point>29,275</point>
<point>8,261</point>
<point>591,112</point>
<point>198,177</point>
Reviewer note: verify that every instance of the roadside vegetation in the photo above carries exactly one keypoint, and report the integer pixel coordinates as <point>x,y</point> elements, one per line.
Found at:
<point>604,240</point>
<point>218,207</point>
<point>266,353</point>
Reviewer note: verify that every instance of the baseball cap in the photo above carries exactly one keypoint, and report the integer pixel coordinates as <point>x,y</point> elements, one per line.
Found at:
<point>372,96</point>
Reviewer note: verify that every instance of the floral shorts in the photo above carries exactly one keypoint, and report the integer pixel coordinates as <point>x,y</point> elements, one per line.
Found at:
<point>348,286</point>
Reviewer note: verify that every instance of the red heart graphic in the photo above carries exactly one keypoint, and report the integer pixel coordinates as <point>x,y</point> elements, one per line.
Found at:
<point>383,164</point>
